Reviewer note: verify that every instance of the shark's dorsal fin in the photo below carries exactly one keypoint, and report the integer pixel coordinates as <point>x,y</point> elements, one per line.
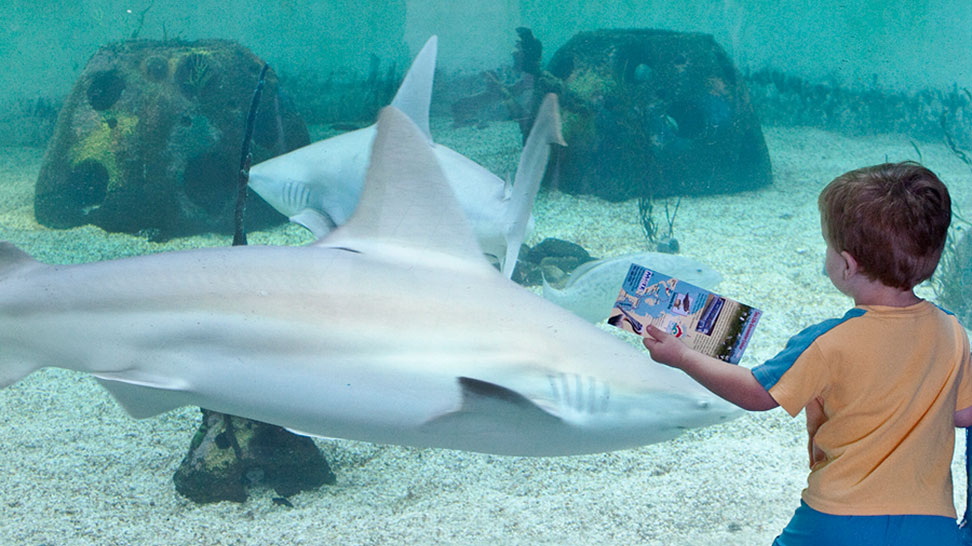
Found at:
<point>406,200</point>
<point>529,174</point>
<point>415,93</point>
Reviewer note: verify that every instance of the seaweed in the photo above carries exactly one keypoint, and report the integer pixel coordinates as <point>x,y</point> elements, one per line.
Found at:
<point>667,242</point>
<point>246,158</point>
<point>141,20</point>
<point>786,100</point>
<point>195,72</point>
<point>954,274</point>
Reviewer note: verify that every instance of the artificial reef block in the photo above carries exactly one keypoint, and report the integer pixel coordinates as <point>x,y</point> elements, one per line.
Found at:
<point>228,454</point>
<point>654,113</point>
<point>149,140</point>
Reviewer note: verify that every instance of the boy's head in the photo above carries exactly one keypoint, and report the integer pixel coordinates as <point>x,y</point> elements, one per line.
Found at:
<point>892,218</point>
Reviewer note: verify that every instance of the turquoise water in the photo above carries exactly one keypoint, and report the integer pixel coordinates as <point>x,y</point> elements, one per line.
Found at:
<point>835,87</point>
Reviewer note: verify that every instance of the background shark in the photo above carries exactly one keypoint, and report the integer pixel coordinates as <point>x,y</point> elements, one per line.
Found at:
<point>592,288</point>
<point>318,186</point>
<point>393,329</point>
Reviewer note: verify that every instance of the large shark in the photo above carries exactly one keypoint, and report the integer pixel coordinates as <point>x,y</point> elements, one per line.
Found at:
<point>392,329</point>
<point>318,186</point>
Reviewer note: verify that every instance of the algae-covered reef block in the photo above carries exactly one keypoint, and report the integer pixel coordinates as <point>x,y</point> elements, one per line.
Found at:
<point>229,454</point>
<point>149,140</point>
<point>655,113</point>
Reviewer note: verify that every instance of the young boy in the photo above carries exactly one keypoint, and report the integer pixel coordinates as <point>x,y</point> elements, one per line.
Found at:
<point>883,386</point>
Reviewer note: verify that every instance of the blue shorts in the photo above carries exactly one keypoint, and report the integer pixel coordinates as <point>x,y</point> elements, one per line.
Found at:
<point>812,528</point>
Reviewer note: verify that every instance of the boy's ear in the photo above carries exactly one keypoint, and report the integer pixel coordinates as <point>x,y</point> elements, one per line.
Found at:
<point>850,264</point>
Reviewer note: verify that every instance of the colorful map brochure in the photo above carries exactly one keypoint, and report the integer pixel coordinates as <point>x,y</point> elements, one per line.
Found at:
<point>707,322</point>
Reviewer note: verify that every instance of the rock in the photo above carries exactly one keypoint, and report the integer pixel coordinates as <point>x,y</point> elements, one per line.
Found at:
<point>553,258</point>
<point>229,453</point>
<point>552,247</point>
<point>509,92</point>
<point>149,140</point>
<point>653,113</point>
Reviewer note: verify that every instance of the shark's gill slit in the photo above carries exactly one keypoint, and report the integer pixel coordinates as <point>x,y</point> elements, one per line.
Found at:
<point>584,394</point>
<point>554,391</point>
<point>591,394</point>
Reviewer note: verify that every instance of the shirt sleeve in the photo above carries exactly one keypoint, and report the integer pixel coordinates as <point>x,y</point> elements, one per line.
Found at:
<point>802,364</point>
<point>964,398</point>
<point>802,382</point>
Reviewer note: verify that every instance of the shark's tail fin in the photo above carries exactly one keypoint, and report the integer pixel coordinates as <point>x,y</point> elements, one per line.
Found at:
<point>13,261</point>
<point>529,174</point>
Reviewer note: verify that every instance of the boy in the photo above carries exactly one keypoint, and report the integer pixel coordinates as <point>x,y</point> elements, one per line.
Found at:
<point>881,385</point>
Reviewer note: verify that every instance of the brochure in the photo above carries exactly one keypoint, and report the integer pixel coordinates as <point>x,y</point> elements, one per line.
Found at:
<point>705,321</point>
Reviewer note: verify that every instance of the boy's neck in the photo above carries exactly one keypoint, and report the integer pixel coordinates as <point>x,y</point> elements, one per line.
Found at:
<point>876,293</point>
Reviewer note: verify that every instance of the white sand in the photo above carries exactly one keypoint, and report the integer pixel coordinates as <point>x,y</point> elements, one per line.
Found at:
<point>75,469</point>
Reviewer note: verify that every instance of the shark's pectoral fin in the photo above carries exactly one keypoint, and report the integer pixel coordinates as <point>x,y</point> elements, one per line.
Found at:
<point>491,404</point>
<point>318,223</point>
<point>141,401</point>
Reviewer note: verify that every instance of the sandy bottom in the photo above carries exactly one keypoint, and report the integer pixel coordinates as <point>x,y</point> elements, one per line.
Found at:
<point>75,469</point>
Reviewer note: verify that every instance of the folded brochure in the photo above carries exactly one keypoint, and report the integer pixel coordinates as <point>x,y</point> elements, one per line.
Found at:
<point>707,322</point>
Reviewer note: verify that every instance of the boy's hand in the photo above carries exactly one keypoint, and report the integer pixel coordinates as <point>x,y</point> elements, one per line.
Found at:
<point>664,347</point>
<point>729,381</point>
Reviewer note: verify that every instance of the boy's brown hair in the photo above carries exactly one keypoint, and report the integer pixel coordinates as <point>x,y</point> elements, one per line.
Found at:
<point>892,218</point>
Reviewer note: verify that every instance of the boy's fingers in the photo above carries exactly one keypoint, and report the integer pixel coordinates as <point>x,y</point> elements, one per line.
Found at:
<point>654,332</point>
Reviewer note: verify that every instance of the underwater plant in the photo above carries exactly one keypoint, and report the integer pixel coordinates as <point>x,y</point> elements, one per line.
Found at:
<point>667,242</point>
<point>954,277</point>
<point>954,274</point>
<point>195,73</point>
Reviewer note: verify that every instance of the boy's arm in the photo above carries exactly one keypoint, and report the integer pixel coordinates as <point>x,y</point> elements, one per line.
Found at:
<point>731,382</point>
<point>815,418</point>
<point>963,417</point>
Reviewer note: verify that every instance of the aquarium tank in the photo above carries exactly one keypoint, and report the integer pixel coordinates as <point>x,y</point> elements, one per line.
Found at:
<point>434,366</point>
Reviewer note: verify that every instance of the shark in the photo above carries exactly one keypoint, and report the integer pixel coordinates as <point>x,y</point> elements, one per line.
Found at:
<point>593,287</point>
<point>394,328</point>
<point>318,186</point>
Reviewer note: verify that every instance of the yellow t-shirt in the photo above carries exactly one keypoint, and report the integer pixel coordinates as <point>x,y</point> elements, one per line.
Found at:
<point>891,379</point>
